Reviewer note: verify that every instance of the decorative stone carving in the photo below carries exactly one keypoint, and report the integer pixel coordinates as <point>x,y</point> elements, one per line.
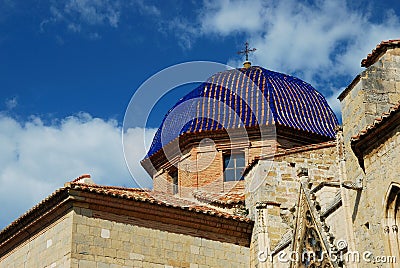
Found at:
<point>386,230</point>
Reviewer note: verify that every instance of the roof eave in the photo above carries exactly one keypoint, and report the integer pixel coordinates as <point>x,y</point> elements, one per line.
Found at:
<point>65,199</point>
<point>373,133</point>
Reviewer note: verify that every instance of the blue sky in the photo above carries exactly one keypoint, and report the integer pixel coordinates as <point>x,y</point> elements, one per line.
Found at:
<point>68,70</point>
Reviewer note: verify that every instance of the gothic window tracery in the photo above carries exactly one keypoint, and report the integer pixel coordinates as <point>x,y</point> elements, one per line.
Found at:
<point>312,253</point>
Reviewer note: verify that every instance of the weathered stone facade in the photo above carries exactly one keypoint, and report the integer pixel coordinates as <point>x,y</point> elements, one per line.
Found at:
<point>51,247</point>
<point>102,243</point>
<point>279,190</point>
<point>355,209</point>
<point>81,241</point>
<point>372,157</point>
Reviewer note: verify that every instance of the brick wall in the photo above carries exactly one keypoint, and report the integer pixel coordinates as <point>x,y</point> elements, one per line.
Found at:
<point>201,166</point>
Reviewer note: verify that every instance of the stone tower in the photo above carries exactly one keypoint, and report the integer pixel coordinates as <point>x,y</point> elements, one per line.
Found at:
<point>370,136</point>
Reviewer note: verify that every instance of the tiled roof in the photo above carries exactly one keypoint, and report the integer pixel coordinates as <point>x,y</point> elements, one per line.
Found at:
<point>82,178</point>
<point>231,198</point>
<point>377,122</point>
<point>378,51</point>
<point>247,98</point>
<point>153,197</point>
<point>32,211</point>
<point>135,194</point>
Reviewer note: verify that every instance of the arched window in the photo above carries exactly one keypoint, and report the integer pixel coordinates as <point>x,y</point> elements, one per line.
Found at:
<point>392,219</point>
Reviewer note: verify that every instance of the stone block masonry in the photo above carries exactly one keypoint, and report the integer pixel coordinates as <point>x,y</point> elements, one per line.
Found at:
<point>128,245</point>
<point>80,241</point>
<point>49,248</point>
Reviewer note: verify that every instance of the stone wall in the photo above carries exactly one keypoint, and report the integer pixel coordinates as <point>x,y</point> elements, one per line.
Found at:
<point>279,181</point>
<point>368,97</point>
<point>162,182</point>
<point>80,241</point>
<point>50,248</point>
<point>382,167</point>
<point>371,94</point>
<point>103,243</point>
<point>278,178</point>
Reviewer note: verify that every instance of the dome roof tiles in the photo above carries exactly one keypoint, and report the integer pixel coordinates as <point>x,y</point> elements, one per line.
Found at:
<point>247,97</point>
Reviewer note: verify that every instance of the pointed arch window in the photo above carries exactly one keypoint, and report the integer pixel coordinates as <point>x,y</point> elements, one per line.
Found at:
<point>392,219</point>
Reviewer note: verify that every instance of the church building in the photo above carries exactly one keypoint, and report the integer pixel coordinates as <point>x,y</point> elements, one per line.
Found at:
<point>250,169</point>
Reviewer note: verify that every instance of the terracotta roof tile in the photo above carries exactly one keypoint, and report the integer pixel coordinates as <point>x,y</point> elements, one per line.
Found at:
<point>154,197</point>
<point>377,122</point>
<point>136,194</point>
<point>377,52</point>
<point>80,178</point>
<point>32,211</point>
<point>231,198</point>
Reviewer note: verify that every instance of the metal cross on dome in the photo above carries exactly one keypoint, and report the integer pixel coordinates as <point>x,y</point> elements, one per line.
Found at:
<point>247,51</point>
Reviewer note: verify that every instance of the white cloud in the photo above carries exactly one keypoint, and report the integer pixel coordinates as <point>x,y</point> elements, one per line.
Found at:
<point>310,38</point>
<point>136,144</point>
<point>36,159</point>
<point>319,41</point>
<point>147,9</point>
<point>183,30</point>
<point>96,12</point>
<point>333,101</point>
<point>226,16</point>
<point>86,16</point>
<point>81,16</point>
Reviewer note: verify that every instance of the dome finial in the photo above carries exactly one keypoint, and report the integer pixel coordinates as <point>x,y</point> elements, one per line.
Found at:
<point>246,52</point>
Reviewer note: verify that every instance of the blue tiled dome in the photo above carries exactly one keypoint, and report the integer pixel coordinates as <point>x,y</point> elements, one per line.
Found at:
<point>257,96</point>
